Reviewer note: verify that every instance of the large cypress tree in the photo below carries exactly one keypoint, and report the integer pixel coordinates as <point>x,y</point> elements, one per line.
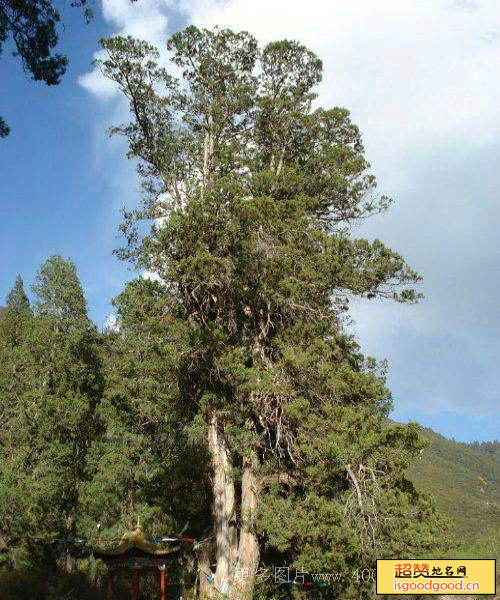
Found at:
<point>253,193</point>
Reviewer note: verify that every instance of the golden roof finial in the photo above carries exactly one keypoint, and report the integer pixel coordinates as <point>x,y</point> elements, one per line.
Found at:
<point>138,526</point>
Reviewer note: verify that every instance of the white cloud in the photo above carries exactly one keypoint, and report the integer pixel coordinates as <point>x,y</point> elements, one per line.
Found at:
<point>111,323</point>
<point>407,71</point>
<point>422,81</point>
<point>146,20</point>
<point>402,67</point>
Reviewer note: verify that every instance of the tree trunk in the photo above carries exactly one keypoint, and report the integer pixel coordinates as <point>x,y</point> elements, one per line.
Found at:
<point>70,530</point>
<point>224,508</point>
<point>248,549</point>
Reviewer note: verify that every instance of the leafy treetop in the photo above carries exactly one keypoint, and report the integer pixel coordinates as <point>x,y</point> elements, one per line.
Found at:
<point>17,300</point>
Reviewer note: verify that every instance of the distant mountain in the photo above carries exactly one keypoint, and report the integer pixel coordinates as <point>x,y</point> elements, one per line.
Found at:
<point>465,482</point>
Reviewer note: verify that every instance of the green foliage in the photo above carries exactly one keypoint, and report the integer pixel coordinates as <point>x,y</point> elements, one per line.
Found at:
<point>465,482</point>
<point>33,27</point>
<point>488,546</point>
<point>17,300</point>
<point>50,387</point>
<point>4,128</point>
<point>92,432</point>
<point>251,192</point>
<point>59,291</point>
<point>485,547</point>
<point>142,463</point>
<point>490,448</point>
<point>42,585</point>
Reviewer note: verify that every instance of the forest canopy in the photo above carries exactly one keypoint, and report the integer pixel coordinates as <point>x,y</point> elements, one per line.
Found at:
<point>231,395</point>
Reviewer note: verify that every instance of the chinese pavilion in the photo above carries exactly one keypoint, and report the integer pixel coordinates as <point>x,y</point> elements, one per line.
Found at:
<point>136,553</point>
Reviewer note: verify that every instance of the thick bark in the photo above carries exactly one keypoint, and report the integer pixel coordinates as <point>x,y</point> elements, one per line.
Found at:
<point>224,509</point>
<point>237,561</point>
<point>248,549</point>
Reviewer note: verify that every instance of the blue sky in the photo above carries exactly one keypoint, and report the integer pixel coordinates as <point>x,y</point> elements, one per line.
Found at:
<point>424,88</point>
<point>54,197</point>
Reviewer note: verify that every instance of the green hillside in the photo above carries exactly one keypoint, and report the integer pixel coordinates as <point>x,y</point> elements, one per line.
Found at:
<point>465,482</point>
<point>490,448</point>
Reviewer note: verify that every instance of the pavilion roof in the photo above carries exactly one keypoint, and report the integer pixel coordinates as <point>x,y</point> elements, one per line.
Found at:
<point>134,543</point>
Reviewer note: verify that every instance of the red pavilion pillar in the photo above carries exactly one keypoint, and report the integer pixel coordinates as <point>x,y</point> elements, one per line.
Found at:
<point>136,584</point>
<point>162,584</point>
<point>110,585</point>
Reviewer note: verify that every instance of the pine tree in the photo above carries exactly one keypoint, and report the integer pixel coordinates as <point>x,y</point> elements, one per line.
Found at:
<point>17,300</point>
<point>253,193</point>
<point>50,388</point>
<point>59,291</point>
<point>142,462</point>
